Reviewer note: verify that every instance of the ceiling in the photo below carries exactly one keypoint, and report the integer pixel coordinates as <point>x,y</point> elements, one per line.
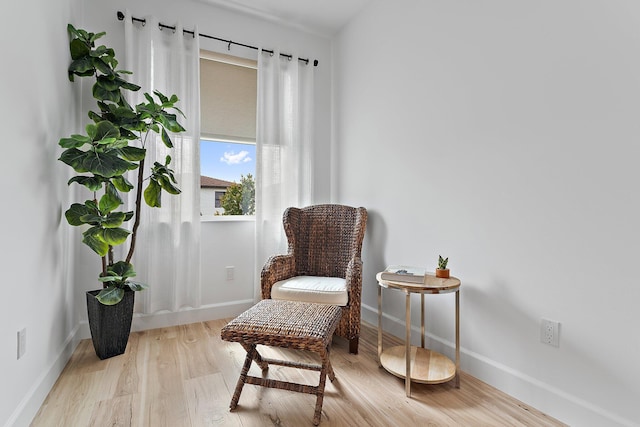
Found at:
<point>320,17</point>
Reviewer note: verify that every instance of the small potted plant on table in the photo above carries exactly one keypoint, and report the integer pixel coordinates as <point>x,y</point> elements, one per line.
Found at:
<point>442,271</point>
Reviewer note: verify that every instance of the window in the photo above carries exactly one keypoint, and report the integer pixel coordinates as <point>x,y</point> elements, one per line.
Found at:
<point>228,91</point>
<point>219,195</point>
<point>227,178</point>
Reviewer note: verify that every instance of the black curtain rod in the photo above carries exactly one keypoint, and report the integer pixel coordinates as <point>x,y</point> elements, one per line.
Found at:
<point>229,42</point>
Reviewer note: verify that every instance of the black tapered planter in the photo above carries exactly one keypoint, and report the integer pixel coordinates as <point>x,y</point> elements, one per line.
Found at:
<point>110,325</point>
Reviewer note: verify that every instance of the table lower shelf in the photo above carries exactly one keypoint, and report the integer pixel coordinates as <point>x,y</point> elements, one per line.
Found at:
<point>427,366</point>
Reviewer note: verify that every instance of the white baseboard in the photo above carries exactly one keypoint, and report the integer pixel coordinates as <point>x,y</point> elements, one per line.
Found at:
<point>546,398</point>
<point>29,406</point>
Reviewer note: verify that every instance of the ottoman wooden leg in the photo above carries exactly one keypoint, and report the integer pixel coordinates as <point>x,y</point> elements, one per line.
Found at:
<point>257,357</point>
<point>326,367</point>
<point>243,375</point>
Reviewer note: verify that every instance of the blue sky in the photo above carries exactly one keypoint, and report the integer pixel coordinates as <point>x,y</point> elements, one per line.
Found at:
<point>227,160</point>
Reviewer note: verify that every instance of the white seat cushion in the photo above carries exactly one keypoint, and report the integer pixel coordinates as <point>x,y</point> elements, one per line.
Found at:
<point>323,290</point>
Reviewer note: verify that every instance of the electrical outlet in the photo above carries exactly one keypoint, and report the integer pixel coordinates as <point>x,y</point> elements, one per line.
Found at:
<point>230,272</point>
<point>22,342</point>
<point>550,332</point>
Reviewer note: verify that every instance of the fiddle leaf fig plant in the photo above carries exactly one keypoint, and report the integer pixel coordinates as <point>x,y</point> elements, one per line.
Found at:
<point>114,144</point>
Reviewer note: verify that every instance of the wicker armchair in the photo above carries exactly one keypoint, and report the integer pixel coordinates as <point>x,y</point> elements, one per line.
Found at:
<point>325,242</point>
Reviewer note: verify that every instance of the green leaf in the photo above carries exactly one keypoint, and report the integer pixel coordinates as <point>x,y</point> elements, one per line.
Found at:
<point>108,202</point>
<point>74,214</point>
<point>124,113</point>
<point>102,50</point>
<point>111,295</point>
<point>74,158</point>
<point>92,205</point>
<point>105,129</point>
<point>106,164</point>
<point>136,286</point>
<point>122,184</point>
<point>166,185</point>
<point>115,236</point>
<point>125,84</point>
<point>94,37</point>
<point>82,67</point>
<point>149,99</point>
<point>106,141</point>
<point>74,141</point>
<point>101,66</point>
<point>118,144</point>
<point>169,122</point>
<point>92,130</point>
<point>94,116</point>
<point>78,49</point>
<point>92,238</point>
<point>92,219</point>
<point>72,30</point>
<point>105,95</point>
<point>166,139</point>
<point>93,183</point>
<point>107,83</point>
<point>122,269</point>
<point>111,190</point>
<point>133,154</point>
<point>114,219</point>
<point>161,96</point>
<point>152,194</point>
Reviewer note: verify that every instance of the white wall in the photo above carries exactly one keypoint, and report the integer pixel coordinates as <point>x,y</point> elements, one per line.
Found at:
<point>505,135</point>
<point>37,110</point>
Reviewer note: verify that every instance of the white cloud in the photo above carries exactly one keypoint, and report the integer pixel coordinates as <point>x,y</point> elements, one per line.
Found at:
<point>231,158</point>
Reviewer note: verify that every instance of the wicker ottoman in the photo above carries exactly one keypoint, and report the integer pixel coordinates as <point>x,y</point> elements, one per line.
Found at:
<point>288,324</point>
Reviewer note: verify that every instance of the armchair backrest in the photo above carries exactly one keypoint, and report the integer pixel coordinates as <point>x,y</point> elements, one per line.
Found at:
<point>324,238</point>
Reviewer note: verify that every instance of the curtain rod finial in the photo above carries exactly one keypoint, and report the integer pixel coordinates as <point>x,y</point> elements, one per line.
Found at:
<point>315,62</point>
<point>120,16</point>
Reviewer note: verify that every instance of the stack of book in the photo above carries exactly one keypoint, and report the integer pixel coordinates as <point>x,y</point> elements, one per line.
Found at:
<point>403,273</point>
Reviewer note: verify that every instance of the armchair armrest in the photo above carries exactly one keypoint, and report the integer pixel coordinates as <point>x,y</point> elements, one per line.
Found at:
<point>277,267</point>
<point>353,278</point>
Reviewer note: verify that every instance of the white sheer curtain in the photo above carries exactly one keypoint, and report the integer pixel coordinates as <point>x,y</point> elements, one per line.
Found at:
<point>167,255</point>
<point>284,149</point>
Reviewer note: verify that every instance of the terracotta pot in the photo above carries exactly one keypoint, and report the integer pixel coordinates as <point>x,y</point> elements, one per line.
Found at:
<point>442,273</point>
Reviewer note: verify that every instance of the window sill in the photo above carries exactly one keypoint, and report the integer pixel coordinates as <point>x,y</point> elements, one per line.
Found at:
<point>228,218</point>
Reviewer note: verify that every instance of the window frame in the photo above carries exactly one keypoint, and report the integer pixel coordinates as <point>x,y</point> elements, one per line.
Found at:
<point>241,62</point>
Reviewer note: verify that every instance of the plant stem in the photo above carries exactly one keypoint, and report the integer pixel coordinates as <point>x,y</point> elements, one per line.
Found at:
<point>136,223</point>
<point>104,268</point>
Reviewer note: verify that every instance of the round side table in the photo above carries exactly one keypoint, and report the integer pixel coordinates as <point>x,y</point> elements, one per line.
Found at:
<point>419,364</point>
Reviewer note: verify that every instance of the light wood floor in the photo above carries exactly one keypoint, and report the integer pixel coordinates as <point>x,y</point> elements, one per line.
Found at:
<point>185,376</point>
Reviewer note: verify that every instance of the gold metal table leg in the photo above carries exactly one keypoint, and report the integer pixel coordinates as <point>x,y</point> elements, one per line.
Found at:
<point>422,320</point>
<point>379,325</point>
<point>407,378</point>
<point>458,339</point>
